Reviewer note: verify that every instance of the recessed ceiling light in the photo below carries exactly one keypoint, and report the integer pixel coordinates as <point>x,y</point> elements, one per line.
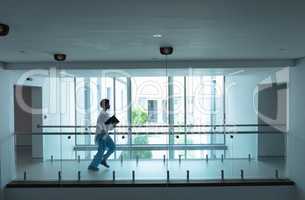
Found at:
<point>157,36</point>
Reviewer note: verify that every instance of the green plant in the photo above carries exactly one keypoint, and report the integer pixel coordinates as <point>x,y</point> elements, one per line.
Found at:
<point>141,139</point>
<point>139,117</point>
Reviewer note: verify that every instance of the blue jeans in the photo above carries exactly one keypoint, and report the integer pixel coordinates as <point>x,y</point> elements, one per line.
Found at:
<point>103,144</point>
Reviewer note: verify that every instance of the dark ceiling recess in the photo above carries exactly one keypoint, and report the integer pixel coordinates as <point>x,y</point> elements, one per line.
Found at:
<point>60,57</point>
<point>4,30</point>
<point>166,50</point>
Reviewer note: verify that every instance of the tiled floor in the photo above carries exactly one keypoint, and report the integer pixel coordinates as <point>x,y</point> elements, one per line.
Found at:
<point>150,169</point>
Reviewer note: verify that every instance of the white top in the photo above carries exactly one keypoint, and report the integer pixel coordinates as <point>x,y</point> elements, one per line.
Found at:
<point>101,127</point>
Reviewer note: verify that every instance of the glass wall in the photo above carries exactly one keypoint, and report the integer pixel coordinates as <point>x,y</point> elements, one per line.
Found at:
<point>205,100</point>
<point>149,108</point>
<point>154,111</point>
<point>164,118</point>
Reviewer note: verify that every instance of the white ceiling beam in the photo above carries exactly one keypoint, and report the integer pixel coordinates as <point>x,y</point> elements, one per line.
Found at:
<point>155,64</point>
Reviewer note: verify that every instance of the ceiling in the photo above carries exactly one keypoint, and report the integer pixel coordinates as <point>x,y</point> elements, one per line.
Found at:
<point>122,30</point>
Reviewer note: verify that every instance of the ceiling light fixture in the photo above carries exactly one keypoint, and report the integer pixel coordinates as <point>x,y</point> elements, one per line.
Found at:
<point>166,50</point>
<point>157,36</point>
<point>60,57</point>
<point>4,30</point>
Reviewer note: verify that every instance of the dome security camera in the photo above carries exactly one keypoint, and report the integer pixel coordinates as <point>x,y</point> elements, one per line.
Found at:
<point>60,57</point>
<point>4,30</point>
<point>166,50</point>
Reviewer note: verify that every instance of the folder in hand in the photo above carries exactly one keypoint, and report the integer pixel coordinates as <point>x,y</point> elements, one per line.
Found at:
<point>112,120</point>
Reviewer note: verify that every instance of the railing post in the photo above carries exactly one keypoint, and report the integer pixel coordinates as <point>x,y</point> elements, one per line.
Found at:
<point>113,175</point>
<point>249,157</point>
<point>24,176</point>
<point>121,157</point>
<point>167,176</point>
<point>222,175</point>
<point>276,174</point>
<point>133,176</point>
<point>137,159</point>
<point>187,176</point>
<point>59,176</point>
<point>242,174</point>
<point>78,176</point>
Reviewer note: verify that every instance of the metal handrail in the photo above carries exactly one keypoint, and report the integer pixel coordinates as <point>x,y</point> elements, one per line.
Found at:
<point>154,147</point>
<point>165,126</point>
<point>156,133</point>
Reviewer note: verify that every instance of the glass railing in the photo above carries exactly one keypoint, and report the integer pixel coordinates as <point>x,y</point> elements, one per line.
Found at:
<point>157,153</point>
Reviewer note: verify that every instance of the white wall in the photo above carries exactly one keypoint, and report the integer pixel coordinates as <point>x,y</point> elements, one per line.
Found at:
<point>240,109</point>
<point>7,150</point>
<point>272,106</point>
<point>242,106</point>
<point>296,135</point>
<point>51,145</point>
<point>38,85</point>
<point>43,147</point>
<point>7,165</point>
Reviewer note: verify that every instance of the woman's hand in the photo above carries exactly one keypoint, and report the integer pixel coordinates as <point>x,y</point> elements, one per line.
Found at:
<point>111,127</point>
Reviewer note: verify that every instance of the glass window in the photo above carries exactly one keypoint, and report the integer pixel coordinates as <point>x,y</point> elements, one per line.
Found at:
<point>156,102</point>
<point>89,92</point>
<point>179,114</point>
<point>121,112</point>
<point>152,107</point>
<point>148,97</point>
<point>204,107</point>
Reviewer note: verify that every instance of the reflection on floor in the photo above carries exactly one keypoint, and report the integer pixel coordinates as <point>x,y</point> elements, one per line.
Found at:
<point>149,169</point>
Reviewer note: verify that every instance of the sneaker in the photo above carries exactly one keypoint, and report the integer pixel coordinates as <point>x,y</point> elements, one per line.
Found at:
<point>93,168</point>
<point>104,163</point>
